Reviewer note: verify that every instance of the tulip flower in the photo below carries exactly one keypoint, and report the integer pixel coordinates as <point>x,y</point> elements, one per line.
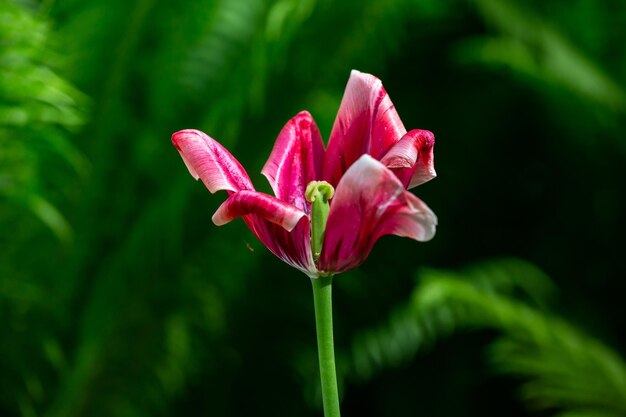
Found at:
<point>330,205</point>
<point>370,162</point>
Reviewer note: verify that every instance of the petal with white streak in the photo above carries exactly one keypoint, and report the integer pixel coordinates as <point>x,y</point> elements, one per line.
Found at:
<point>296,252</point>
<point>205,158</point>
<point>295,160</point>
<point>283,228</point>
<point>370,202</point>
<point>412,159</point>
<point>367,123</point>
<point>261,205</point>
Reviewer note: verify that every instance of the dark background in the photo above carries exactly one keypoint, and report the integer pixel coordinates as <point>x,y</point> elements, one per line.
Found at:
<point>119,297</point>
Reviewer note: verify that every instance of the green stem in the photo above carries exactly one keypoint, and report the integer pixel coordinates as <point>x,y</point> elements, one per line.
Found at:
<point>322,298</point>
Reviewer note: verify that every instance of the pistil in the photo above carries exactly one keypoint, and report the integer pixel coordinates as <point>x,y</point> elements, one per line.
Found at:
<point>318,193</point>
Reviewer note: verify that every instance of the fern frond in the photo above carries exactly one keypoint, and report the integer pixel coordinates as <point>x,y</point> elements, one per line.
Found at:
<point>564,369</point>
<point>37,109</point>
<point>537,50</point>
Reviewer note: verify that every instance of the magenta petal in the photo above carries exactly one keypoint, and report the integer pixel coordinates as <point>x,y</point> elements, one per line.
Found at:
<point>292,247</point>
<point>278,225</point>
<point>281,227</point>
<point>295,160</point>
<point>367,123</point>
<point>370,202</point>
<point>411,158</point>
<point>207,159</point>
<point>262,205</point>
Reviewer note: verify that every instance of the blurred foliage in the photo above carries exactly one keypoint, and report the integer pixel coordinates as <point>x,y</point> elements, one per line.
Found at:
<point>538,51</point>
<point>119,297</point>
<point>37,106</point>
<point>562,369</point>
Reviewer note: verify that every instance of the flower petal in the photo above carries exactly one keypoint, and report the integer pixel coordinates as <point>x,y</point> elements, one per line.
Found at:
<point>295,160</point>
<point>411,158</point>
<point>281,227</point>
<point>262,205</point>
<point>370,202</point>
<point>367,122</point>
<point>207,159</point>
<point>291,247</point>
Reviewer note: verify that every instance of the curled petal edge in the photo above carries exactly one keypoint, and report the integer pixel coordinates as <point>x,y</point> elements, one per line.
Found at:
<point>261,205</point>
<point>205,158</point>
<point>418,220</point>
<point>412,158</point>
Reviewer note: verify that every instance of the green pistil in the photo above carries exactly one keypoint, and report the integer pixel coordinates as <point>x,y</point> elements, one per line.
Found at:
<point>318,193</point>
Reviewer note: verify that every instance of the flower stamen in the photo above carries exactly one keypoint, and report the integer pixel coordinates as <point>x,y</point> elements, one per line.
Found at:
<point>318,193</point>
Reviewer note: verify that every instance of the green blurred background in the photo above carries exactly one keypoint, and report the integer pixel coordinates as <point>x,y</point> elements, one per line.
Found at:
<point>118,297</point>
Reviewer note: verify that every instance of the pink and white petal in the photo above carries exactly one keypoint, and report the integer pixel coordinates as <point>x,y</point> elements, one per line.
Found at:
<point>207,159</point>
<point>370,202</point>
<point>281,227</point>
<point>296,160</point>
<point>412,158</point>
<point>262,205</point>
<point>292,247</point>
<point>367,123</point>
